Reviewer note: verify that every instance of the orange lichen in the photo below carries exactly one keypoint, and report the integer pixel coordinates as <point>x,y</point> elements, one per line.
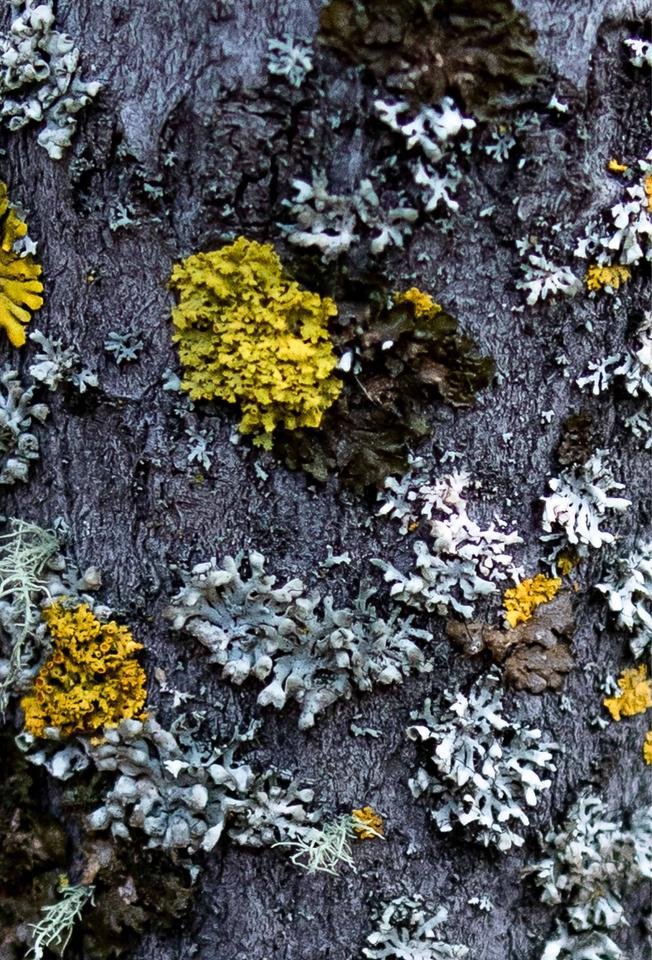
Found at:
<point>612,275</point>
<point>647,747</point>
<point>647,186</point>
<point>91,678</point>
<point>615,166</point>
<point>521,601</point>
<point>635,694</point>
<point>367,823</point>
<point>20,290</point>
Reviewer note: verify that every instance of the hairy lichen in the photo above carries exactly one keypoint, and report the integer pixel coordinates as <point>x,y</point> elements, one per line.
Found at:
<point>325,849</point>
<point>521,601</point>
<point>20,288</point>
<point>249,335</point>
<point>635,694</point>
<point>90,679</point>
<point>54,929</point>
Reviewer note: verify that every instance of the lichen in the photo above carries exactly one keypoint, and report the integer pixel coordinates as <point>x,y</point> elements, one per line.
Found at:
<point>521,601</point>
<point>297,642</point>
<point>635,694</point>
<point>54,929</point>
<point>610,276</point>
<point>327,848</point>
<point>249,335</point>
<point>39,77</point>
<point>408,928</point>
<point>629,595</point>
<point>18,445</point>
<point>368,824</point>
<point>20,288</point>
<point>647,747</point>
<point>91,678</point>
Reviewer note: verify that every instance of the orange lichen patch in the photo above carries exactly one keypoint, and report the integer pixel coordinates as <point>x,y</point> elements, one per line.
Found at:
<point>20,288</point>
<point>368,824</point>
<point>91,679</point>
<point>521,601</point>
<point>615,166</point>
<point>613,275</point>
<point>647,186</point>
<point>423,302</point>
<point>647,747</point>
<point>635,694</point>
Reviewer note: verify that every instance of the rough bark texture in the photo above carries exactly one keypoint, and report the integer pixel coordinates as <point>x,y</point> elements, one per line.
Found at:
<point>191,77</point>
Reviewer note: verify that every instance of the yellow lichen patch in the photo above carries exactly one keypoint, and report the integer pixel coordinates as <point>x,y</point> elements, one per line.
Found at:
<point>248,334</point>
<point>521,601</point>
<point>566,562</point>
<point>647,747</point>
<point>20,290</point>
<point>647,186</point>
<point>613,276</point>
<point>368,824</point>
<point>423,302</point>
<point>635,694</point>
<point>615,166</point>
<point>91,679</point>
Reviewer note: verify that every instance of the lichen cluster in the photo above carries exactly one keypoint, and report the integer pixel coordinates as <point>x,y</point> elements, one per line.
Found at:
<point>247,334</point>
<point>20,288</point>
<point>634,696</point>
<point>91,678</point>
<point>521,601</point>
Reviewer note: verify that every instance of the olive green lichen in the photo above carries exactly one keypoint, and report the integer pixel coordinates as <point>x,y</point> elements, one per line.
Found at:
<point>248,334</point>
<point>479,51</point>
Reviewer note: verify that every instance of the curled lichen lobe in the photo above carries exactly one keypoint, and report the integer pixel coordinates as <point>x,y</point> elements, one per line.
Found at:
<point>248,334</point>
<point>91,678</point>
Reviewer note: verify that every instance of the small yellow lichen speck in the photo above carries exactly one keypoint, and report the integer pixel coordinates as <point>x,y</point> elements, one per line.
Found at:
<point>20,288</point>
<point>635,694</point>
<point>423,302</point>
<point>613,276</point>
<point>91,678</point>
<point>647,747</point>
<point>369,824</point>
<point>647,186</point>
<point>248,334</point>
<point>615,166</point>
<point>521,601</point>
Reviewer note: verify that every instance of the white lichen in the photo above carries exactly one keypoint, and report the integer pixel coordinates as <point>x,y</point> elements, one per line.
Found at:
<point>629,595</point>
<point>289,58</point>
<point>297,642</point>
<point>54,929</point>
<point>580,499</point>
<point>429,129</point>
<point>124,347</point>
<point>409,928</point>
<point>479,769</point>
<point>327,849</point>
<point>39,77</point>
<point>543,278</point>
<point>641,51</point>
<point>56,364</point>
<point>460,561</point>
<point>18,445</point>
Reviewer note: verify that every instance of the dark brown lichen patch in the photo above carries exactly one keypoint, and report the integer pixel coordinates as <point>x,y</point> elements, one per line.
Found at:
<point>399,354</point>
<point>533,654</point>
<point>481,52</point>
<point>579,439</point>
<point>32,852</point>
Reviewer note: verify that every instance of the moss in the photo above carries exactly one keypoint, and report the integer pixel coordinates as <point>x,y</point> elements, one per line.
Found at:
<point>407,350</point>
<point>479,51</point>
<point>20,288</point>
<point>635,694</point>
<point>248,334</point>
<point>521,601</point>
<point>90,679</point>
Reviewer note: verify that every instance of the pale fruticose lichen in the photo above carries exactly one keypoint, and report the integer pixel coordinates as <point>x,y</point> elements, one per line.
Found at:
<point>460,562</point>
<point>289,58</point>
<point>479,769</point>
<point>297,642</point>
<point>32,572</point>
<point>179,788</point>
<point>54,929</point>
<point>629,595</point>
<point>580,499</point>
<point>590,864</point>
<point>327,848</point>
<point>55,365</point>
<point>631,369</point>
<point>39,77</point>
<point>409,928</point>
<point>18,444</point>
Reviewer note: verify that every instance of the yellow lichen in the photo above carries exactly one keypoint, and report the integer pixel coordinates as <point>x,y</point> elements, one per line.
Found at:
<point>615,166</point>
<point>647,186</point>
<point>423,302</point>
<point>20,290</point>
<point>368,824</point>
<point>91,678</point>
<point>612,275</point>
<point>647,747</point>
<point>635,694</point>
<point>248,334</point>
<point>521,601</point>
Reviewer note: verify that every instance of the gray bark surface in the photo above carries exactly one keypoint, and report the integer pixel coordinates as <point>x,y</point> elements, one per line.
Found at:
<point>191,77</point>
